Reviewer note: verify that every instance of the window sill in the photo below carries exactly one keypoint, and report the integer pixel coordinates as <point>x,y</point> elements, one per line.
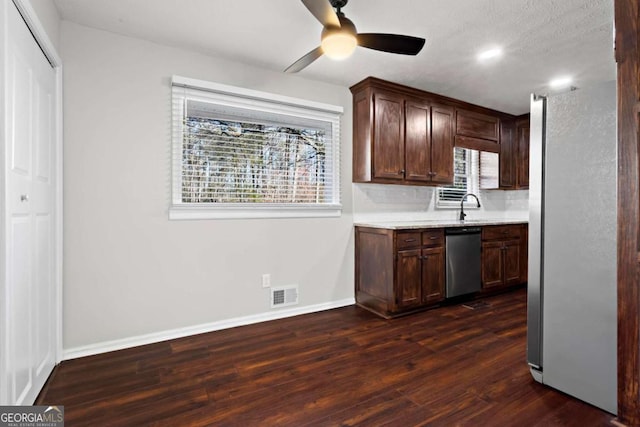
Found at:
<point>190,212</point>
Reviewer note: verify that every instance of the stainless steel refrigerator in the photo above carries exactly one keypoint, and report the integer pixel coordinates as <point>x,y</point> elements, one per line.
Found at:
<point>571,318</point>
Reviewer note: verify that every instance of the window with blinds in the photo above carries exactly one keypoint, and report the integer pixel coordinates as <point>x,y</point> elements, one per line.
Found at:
<point>465,179</point>
<point>243,153</point>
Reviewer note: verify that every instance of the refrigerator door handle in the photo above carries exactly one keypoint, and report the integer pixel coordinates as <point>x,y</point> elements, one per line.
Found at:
<point>535,286</point>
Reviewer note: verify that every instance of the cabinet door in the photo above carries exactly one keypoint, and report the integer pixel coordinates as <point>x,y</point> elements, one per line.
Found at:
<point>492,264</point>
<point>477,125</point>
<point>522,157</point>
<point>408,287</point>
<point>388,136</point>
<point>511,255</point>
<point>417,141</point>
<point>433,274</point>
<point>442,144</point>
<point>507,155</point>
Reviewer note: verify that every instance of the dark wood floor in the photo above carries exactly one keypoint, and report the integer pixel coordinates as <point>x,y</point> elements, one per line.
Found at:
<point>449,366</point>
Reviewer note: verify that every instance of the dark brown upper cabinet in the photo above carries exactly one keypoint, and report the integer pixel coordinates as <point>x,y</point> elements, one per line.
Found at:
<point>442,142</point>
<point>428,142</point>
<point>403,135</point>
<point>388,136</point>
<point>400,138</point>
<point>507,154</point>
<point>514,153</point>
<point>522,155</point>
<point>477,131</point>
<point>417,141</point>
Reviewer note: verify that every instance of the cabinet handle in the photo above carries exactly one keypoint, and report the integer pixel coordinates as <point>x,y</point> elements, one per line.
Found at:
<point>424,257</point>
<point>409,240</point>
<point>401,172</point>
<point>24,197</point>
<point>433,238</point>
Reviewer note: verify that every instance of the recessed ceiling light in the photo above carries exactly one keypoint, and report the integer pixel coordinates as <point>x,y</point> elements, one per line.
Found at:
<point>489,54</point>
<point>560,82</point>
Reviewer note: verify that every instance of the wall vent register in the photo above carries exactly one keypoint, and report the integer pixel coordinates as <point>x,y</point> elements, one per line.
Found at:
<point>284,296</point>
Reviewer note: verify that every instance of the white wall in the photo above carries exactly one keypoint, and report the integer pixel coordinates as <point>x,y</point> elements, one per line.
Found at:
<point>375,202</point>
<point>128,270</point>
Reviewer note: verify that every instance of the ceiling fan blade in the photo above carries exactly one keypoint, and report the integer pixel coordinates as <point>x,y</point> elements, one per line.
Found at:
<point>304,61</point>
<point>393,43</point>
<point>323,12</point>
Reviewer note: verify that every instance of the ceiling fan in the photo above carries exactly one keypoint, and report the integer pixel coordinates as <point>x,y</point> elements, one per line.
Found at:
<point>340,37</point>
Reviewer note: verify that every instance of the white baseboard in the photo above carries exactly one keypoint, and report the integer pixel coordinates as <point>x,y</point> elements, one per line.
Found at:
<point>104,347</point>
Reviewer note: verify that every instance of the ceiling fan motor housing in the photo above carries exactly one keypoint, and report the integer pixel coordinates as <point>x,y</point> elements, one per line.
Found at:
<point>338,4</point>
<point>346,26</point>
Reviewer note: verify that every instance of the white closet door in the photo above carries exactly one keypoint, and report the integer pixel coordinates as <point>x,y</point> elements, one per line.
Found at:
<point>29,144</point>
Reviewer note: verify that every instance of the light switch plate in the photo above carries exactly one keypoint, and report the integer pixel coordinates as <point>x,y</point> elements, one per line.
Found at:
<point>266,280</point>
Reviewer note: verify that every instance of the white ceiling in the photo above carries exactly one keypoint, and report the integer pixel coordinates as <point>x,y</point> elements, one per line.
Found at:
<point>542,39</point>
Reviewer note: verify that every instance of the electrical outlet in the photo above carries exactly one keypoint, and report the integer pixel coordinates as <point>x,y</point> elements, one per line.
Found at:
<point>266,280</point>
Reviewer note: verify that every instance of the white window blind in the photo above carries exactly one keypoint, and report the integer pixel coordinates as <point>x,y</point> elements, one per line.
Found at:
<point>243,153</point>
<point>489,170</point>
<point>465,179</point>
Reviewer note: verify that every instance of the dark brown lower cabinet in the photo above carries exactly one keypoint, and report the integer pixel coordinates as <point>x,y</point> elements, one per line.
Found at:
<point>492,264</point>
<point>408,292</point>
<point>433,279</point>
<point>399,271</point>
<point>504,255</point>
<point>420,277</point>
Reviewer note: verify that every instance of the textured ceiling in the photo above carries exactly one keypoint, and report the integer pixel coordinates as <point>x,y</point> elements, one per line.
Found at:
<point>541,39</point>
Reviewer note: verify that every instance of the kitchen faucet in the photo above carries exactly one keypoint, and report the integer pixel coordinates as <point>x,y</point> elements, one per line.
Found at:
<point>462,214</point>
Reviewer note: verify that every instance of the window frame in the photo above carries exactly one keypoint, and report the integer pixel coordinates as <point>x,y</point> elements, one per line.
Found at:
<point>183,88</point>
<point>473,184</point>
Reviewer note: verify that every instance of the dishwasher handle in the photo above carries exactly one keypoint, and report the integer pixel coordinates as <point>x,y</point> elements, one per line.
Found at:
<point>462,230</point>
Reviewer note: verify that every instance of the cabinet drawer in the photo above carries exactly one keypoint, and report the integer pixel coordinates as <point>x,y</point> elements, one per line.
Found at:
<point>477,125</point>
<point>501,232</point>
<point>433,237</point>
<point>408,239</point>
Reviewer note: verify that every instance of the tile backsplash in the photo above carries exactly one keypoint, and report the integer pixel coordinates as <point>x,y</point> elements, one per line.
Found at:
<point>378,202</point>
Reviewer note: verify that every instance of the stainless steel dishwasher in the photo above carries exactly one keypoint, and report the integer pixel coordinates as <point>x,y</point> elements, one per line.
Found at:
<point>463,248</point>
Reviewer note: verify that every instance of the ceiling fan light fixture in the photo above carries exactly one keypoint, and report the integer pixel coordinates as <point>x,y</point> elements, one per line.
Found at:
<point>338,44</point>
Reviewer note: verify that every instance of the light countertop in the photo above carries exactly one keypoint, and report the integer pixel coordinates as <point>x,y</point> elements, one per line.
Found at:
<point>437,223</point>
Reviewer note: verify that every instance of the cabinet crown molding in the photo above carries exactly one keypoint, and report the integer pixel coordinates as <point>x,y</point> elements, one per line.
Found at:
<point>374,82</point>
